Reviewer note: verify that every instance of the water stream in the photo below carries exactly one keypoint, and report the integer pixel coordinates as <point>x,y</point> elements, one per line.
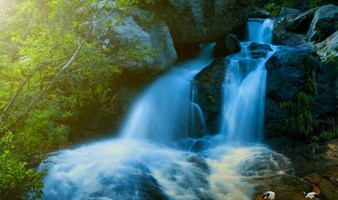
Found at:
<point>164,113</point>
<point>143,164</point>
<point>243,96</point>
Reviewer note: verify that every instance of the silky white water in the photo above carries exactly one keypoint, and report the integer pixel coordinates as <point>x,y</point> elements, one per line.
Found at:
<point>260,30</point>
<point>164,112</point>
<point>244,85</point>
<point>146,161</point>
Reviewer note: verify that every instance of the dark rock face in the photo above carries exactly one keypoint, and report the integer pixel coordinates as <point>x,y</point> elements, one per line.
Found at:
<point>193,21</point>
<point>207,90</point>
<point>324,23</point>
<point>313,25</point>
<point>291,30</point>
<point>292,39</point>
<point>285,78</point>
<point>226,46</point>
<point>286,70</point>
<point>302,22</point>
<point>187,50</point>
<point>259,50</point>
<point>326,102</point>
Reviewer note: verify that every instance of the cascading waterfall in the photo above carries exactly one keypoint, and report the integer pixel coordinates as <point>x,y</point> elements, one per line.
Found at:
<point>163,113</point>
<point>243,97</point>
<point>262,29</point>
<point>142,165</point>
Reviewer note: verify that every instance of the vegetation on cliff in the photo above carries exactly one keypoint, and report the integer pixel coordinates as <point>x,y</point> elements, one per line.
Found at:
<point>52,69</point>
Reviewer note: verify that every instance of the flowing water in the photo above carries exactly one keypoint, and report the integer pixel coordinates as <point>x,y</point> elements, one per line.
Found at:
<point>262,29</point>
<point>143,163</point>
<point>165,113</point>
<point>243,97</point>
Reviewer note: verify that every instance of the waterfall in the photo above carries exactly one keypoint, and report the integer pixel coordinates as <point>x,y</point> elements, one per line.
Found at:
<point>260,30</point>
<point>165,113</point>
<point>242,116</point>
<point>142,164</point>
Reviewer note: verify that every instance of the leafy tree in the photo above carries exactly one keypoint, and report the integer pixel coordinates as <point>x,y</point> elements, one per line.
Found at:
<point>52,67</point>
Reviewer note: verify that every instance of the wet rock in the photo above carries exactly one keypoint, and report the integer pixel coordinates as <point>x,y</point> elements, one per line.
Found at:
<point>286,70</point>
<point>285,78</point>
<point>258,50</point>
<point>285,187</point>
<point>324,23</point>
<point>326,101</point>
<point>207,87</point>
<point>291,30</point>
<point>226,46</point>
<point>266,163</point>
<point>292,39</point>
<point>327,189</point>
<point>314,168</point>
<point>302,22</point>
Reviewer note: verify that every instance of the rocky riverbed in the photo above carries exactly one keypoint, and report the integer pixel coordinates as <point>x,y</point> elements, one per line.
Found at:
<point>313,167</point>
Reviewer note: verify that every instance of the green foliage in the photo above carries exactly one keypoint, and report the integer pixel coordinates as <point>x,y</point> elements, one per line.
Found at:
<point>52,69</point>
<point>329,129</point>
<point>300,122</point>
<point>17,180</point>
<point>315,3</point>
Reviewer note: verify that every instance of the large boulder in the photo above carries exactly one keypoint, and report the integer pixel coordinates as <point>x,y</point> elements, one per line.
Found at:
<point>324,23</point>
<point>288,73</point>
<point>286,70</point>
<point>302,21</point>
<point>285,78</point>
<point>258,50</point>
<point>291,30</point>
<point>140,40</point>
<point>192,21</point>
<point>227,45</point>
